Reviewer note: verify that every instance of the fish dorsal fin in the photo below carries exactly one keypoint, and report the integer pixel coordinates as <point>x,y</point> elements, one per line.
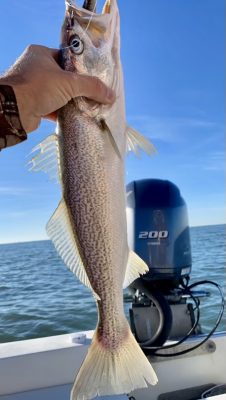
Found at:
<point>47,159</point>
<point>135,141</point>
<point>135,267</point>
<point>65,241</point>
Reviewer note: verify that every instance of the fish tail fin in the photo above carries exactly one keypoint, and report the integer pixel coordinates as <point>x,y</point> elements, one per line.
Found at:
<point>108,371</point>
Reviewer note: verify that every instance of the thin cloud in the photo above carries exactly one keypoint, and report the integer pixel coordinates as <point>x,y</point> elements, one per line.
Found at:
<point>14,191</point>
<point>173,129</point>
<point>16,214</point>
<point>216,162</point>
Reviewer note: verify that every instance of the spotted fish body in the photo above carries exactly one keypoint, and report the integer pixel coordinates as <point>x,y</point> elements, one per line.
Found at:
<point>89,228</point>
<point>94,196</point>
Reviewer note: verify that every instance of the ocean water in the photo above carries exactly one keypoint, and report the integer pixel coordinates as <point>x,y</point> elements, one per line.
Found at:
<point>40,297</point>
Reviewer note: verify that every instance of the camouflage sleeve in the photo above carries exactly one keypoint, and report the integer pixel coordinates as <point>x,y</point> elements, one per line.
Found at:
<point>11,130</point>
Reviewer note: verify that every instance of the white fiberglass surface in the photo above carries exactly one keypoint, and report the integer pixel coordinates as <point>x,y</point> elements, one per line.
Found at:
<point>53,393</point>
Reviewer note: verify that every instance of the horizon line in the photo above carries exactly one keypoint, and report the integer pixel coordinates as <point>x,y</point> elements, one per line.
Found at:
<point>49,240</point>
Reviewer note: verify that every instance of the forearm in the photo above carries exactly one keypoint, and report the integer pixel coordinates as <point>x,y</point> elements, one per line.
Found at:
<point>11,129</point>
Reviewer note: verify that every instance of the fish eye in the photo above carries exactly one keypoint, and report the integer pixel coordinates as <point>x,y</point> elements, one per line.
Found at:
<point>76,45</point>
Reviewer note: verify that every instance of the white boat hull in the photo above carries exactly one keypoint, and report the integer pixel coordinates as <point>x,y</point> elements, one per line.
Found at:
<point>44,369</point>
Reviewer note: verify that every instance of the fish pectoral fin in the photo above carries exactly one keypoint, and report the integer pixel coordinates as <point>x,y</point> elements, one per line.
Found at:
<point>47,159</point>
<point>135,267</point>
<point>135,141</point>
<point>104,126</point>
<point>66,243</point>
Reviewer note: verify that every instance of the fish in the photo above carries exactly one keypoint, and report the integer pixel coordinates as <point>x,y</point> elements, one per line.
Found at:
<point>89,228</point>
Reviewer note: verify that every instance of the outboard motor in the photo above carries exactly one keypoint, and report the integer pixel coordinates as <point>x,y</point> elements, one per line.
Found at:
<point>164,304</point>
<point>158,232</point>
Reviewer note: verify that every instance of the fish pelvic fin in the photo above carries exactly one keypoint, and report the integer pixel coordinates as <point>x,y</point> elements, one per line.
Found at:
<point>135,267</point>
<point>135,141</point>
<point>47,159</point>
<point>113,371</point>
<point>66,243</point>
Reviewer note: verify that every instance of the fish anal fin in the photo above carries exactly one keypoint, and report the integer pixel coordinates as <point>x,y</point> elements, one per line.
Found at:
<point>135,267</point>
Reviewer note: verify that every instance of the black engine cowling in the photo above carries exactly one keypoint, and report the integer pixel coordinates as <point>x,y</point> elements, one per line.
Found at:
<point>158,228</point>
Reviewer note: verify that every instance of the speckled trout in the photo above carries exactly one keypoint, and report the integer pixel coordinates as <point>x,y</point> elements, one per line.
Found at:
<point>89,227</point>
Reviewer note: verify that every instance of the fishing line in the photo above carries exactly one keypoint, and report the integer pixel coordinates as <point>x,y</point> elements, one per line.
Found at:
<point>91,17</point>
<point>87,27</point>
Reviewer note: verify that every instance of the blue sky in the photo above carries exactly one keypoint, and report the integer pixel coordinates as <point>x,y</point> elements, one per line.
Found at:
<point>173,59</point>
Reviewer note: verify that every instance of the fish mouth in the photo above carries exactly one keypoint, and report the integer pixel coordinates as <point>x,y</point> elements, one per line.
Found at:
<point>90,6</point>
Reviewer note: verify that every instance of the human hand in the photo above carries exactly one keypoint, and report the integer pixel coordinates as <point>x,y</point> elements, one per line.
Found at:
<point>42,87</point>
